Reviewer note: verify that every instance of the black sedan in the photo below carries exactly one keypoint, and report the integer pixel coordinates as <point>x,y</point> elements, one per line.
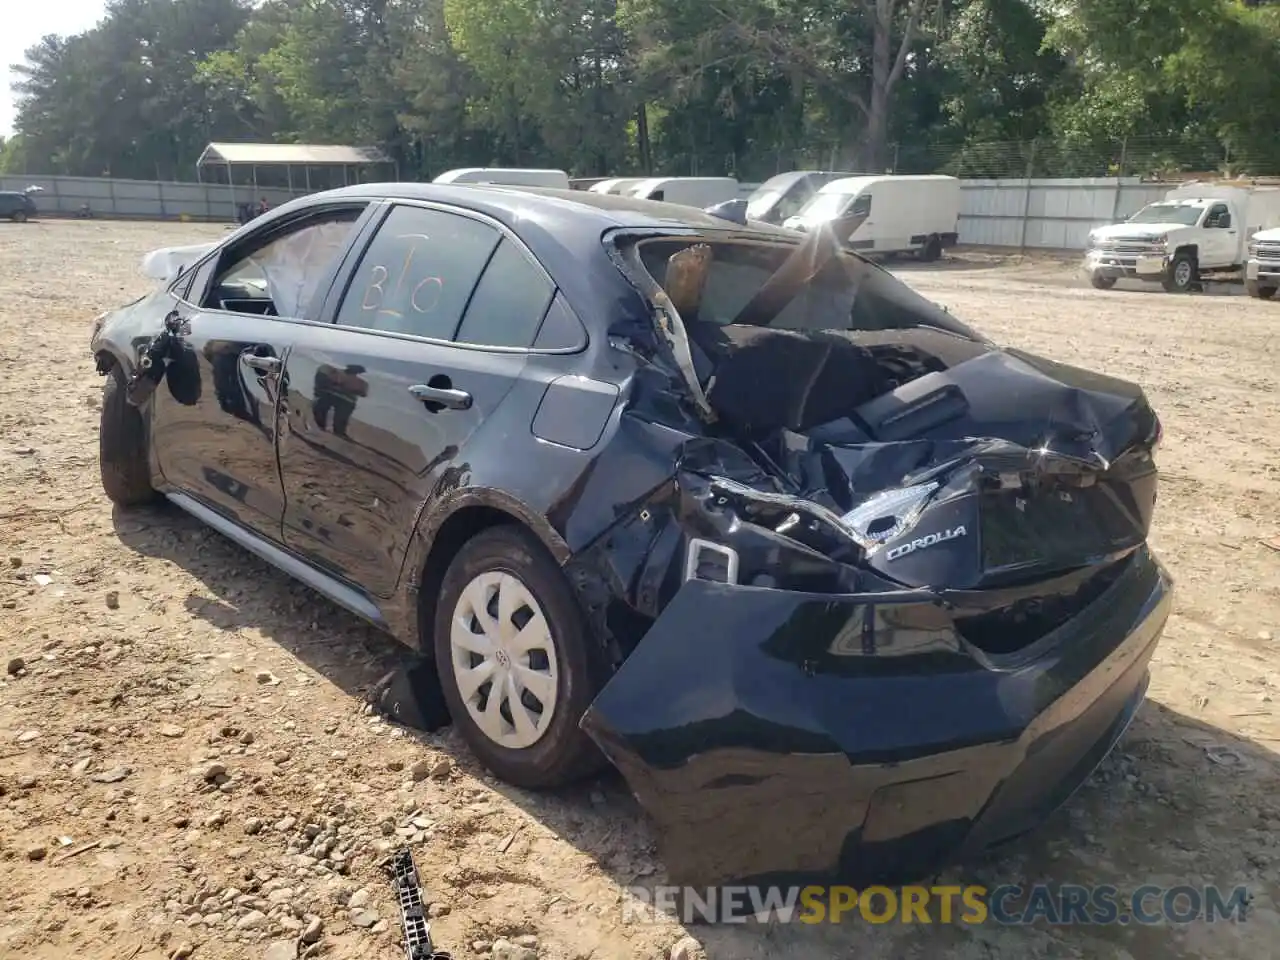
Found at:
<point>840,586</point>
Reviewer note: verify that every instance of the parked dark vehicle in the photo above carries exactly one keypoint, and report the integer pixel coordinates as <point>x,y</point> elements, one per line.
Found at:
<point>18,205</point>
<point>838,585</point>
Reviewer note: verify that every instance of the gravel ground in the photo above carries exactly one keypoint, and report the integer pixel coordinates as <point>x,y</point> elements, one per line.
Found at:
<point>186,768</point>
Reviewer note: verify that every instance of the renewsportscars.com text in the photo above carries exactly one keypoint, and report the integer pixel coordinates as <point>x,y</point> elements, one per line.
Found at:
<point>1008,904</point>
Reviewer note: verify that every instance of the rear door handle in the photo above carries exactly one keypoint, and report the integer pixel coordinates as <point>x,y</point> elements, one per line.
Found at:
<point>262,364</point>
<point>445,396</point>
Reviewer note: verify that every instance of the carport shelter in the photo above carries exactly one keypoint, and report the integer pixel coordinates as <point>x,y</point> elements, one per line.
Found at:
<point>305,167</point>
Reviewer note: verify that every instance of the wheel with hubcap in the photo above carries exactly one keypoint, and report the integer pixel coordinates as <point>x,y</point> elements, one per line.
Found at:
<point>19,216</point>
<point>1182,273</point>
<point>1101,281</point>
<point>515,662</point>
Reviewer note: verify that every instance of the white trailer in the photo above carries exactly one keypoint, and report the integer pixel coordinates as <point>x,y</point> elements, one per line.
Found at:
<point>507,176</point>
<point>698,192</point>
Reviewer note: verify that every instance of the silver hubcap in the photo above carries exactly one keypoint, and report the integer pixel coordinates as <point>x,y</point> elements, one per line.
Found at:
<point>1182,273</point>
<point>504,660</point>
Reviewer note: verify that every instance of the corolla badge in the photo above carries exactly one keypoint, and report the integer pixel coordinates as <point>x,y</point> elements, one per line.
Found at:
<point>929,540</point>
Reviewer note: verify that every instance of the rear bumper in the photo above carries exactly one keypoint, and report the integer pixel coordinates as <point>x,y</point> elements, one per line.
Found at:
<point>785,737</point>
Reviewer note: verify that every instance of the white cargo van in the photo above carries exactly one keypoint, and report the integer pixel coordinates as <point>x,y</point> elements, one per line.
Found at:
<point>919,214</point>
<point>1199,229</point>
<point>617,185</point>
<point>508,176</point>
<point>689,191</point>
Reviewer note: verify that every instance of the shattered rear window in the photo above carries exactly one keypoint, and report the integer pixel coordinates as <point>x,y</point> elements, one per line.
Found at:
<point>848,293</point>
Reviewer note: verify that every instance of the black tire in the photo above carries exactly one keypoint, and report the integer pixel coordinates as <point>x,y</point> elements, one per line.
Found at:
<point>1182,274</point>
<point>122,446</point>
<point>1101,281</point>
<point>563,753</point>
<point>932,249</point>
<point>1258,291</point>
<point>19,216</point>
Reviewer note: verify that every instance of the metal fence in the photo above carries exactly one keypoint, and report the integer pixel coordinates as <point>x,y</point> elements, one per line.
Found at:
<point>1024,214</point>
<point>1050,214</point>
<point>143,199</point>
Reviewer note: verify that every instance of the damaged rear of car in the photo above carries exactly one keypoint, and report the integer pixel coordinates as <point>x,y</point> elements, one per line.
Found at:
<point>894,603</point>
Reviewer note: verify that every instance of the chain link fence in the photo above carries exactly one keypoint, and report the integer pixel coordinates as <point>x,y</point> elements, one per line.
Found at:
<point>1148,157</point>
<point>1158,158</point>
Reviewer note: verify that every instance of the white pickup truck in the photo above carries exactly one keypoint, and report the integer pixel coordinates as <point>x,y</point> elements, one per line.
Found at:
<point>1262,272</point>
<point>1198,229</point>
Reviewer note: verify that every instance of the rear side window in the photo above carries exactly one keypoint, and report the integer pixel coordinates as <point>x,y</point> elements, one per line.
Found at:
<point>509,301</point>
<point>417,273</point>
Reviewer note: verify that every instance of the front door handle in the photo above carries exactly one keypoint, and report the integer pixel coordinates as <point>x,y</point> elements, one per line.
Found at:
<point>445,396</point>
<point>262,364</point>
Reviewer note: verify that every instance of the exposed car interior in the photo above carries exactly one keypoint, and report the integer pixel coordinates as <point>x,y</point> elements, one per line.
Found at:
<point>830,347</point>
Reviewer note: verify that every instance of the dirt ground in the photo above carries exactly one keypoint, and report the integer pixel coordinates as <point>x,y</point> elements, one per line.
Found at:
<point>155,655</point>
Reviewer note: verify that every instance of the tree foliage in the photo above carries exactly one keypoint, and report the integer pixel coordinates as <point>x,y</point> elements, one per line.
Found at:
<point>746,87</point>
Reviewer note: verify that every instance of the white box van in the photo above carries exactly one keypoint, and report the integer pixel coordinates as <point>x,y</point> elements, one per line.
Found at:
<point>689,191</point>
<point>617,185</point>
<point>507,176</point>
<point>918,214</point>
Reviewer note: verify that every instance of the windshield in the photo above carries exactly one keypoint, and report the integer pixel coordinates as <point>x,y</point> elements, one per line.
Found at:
<point>826,206</point>
<point>761,202</point>
<point>1182,213</point>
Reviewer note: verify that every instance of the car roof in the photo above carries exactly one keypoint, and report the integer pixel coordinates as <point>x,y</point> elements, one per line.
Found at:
<point>593,213</point>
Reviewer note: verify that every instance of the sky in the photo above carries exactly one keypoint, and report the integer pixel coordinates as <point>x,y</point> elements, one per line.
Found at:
<point>25,22</point>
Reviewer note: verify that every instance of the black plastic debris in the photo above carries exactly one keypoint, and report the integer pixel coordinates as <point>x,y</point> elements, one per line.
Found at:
<point>410,695</point>
<point>413,916</point>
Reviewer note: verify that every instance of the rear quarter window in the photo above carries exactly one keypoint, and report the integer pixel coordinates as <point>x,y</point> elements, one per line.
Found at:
<point>509,301</point>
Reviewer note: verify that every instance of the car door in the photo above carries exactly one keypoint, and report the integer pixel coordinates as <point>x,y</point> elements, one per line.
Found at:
<point>214,427</point>
<point>1220,236</point>
<point>426,341</point>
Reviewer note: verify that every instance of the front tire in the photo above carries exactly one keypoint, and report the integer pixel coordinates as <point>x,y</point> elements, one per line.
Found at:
<point>1182,274</point>
<point>516,663</point>
<point>122,446</point>
<point>1101,281</point>
<point>19,216</point>
<point>1258,291</point>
